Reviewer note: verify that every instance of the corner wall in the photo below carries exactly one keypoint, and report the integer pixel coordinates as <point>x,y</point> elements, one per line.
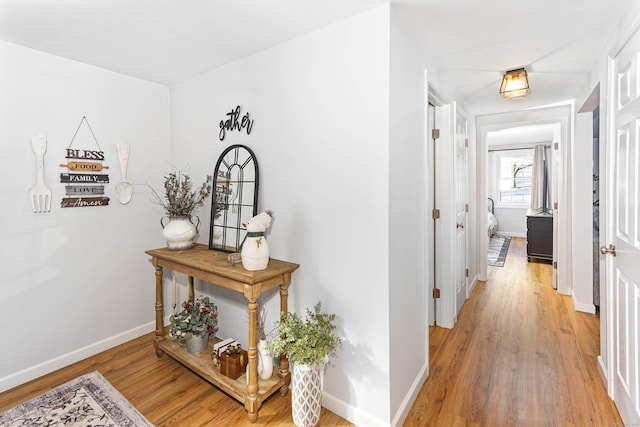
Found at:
<point>408,288</point>
<point>321,131</point>
<point>75,281</point>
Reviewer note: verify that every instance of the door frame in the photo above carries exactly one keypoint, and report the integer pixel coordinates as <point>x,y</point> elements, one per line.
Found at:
<point>561,115</point>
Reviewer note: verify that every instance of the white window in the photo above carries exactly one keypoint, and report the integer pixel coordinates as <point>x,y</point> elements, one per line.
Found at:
<point>512,177</point>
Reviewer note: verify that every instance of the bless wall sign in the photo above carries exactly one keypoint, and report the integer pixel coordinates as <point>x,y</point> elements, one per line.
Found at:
<point>85,178</point>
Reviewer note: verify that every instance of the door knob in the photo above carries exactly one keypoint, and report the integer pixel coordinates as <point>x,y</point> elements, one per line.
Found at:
<point>608,250</point>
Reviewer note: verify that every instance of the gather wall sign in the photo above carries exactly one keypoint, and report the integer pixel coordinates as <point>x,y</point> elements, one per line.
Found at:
<point>234,122</point>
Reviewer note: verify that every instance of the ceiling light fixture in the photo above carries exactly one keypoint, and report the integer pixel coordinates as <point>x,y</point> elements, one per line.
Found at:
<point>515,84</point>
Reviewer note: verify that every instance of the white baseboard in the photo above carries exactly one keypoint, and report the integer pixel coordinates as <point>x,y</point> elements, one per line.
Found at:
<point>602,369</point>
<point>33,372</point>
<point>361,418</point>
<point>410,398</point>
<point>349,412</point>
<point>579,306</point>
<point>474,282</point>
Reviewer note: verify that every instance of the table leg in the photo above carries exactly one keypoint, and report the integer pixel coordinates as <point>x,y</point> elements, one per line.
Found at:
<point>159,311</point>
<point>285,375</point>
<point>252,404</point>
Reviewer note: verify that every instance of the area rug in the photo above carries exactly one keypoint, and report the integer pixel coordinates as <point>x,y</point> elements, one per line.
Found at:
<point>498,248</point>
<point>86,401</point>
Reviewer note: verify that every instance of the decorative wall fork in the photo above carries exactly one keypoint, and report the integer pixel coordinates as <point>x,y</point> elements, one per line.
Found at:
<point>40,194</point>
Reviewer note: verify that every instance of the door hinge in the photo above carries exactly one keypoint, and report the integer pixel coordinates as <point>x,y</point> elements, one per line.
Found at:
<point>436,293</point>
<point>466,143</point>
<point>466,207</point>
<point>555,205</point>
<point>435,214</point>
<point>466,272</point>
<point>435,133</point>
<point>555,145</point>
<point>555,265</point>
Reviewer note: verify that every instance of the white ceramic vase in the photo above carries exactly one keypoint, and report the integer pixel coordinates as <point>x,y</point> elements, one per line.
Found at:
<point>306,394</point>
<point>265,360</point>
<point>180,232</point>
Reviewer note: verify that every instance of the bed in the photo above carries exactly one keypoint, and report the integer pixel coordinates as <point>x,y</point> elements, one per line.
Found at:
<point>492,222</point>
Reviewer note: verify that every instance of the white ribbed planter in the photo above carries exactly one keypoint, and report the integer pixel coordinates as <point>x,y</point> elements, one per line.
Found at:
<point>306,395</point>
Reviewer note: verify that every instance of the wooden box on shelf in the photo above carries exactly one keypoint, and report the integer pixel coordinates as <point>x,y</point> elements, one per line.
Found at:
<point>233,365</point>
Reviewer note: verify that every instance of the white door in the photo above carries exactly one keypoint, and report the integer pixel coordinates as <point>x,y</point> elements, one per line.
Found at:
<point>623,230</point>
<point>430,221</point>
<point>460,200</point>
<point>445,225</point>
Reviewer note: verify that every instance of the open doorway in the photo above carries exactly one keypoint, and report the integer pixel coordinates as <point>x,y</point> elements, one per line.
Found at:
<point>586,200</point>
<point>559,118</point>
<point>519,169</point>
<point>446,227</point>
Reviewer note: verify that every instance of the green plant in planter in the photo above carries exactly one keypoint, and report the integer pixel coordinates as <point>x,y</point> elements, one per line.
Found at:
<point>196,318</point>
<point>310,340</point>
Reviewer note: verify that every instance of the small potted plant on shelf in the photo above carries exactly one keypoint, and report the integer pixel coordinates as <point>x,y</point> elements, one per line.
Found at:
<point>180,201</point>
<point>195,324</point>
<point>308,343</point>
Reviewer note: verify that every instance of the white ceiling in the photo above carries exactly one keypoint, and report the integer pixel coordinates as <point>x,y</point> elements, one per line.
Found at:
<point>473,41</point>
<point>521,135</point>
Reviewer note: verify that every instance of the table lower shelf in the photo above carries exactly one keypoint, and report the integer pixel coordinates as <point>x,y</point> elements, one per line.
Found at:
<point>202,365</point>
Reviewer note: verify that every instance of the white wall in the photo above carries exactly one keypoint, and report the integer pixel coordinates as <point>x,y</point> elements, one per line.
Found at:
<point>321,132</point>
<point>512,221</point>
<point>75,281</point>
<point>408,300</point>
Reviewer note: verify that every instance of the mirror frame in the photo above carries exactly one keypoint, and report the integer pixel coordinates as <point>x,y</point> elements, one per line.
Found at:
<point>230,234</point>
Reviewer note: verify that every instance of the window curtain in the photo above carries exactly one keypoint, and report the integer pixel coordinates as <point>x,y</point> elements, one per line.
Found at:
<point>538,179</point>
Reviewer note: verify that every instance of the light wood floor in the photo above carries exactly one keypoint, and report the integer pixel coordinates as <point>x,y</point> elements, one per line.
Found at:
<point>519,356</point>
<point>164,391</point>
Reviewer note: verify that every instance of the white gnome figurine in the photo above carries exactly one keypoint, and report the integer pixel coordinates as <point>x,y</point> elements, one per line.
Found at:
<point>255,251</point>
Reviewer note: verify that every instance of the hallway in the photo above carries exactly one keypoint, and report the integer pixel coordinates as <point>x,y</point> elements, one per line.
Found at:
<point>520,355</point>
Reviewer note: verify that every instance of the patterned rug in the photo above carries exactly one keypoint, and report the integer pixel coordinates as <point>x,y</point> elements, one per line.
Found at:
<point>86,401</point>
<point>498,248</point>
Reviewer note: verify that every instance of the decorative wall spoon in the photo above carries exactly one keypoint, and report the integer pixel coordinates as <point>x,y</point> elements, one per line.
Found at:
<point>124,189</point>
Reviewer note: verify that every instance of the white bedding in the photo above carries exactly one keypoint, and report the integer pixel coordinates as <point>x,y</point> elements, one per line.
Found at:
<point>492,224</point>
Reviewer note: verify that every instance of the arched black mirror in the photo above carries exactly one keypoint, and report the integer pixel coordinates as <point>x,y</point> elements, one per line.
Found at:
<point>234,199</point>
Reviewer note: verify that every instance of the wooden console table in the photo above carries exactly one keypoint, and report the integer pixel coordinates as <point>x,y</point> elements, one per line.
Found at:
<point>212,267</point>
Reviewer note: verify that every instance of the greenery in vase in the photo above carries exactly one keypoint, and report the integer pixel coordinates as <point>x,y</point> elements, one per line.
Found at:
<point>196,318</point>
<point>310,340</point>
<point>262,318</point>
<point>179,197</point>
